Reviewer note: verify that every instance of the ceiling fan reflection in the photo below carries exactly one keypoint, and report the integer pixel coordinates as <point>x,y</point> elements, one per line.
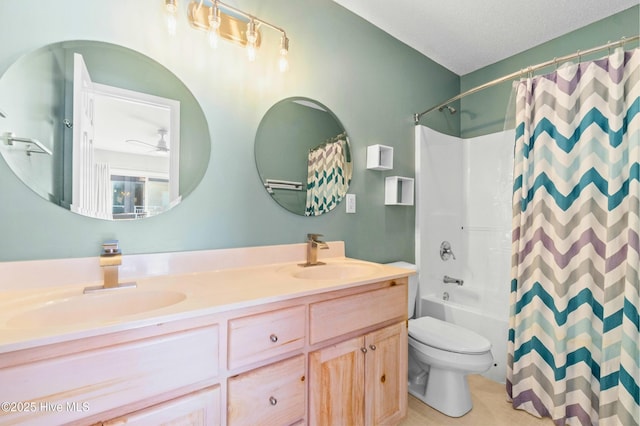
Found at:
<point>160,146</point>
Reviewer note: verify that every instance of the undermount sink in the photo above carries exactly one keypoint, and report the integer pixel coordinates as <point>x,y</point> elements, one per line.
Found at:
<point>95,307</point>
<point>334,271</point>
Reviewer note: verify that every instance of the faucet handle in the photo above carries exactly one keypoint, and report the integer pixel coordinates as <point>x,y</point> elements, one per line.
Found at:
<point>445,251</point>
<point>110,247</point>
<point>314,237</point>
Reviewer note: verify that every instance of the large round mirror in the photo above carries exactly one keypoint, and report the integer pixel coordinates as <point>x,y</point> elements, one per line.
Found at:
<point>303,156</point>
<point>102,130</point>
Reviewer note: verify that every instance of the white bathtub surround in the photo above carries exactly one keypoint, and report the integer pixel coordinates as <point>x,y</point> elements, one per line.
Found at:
<point>463,195</point>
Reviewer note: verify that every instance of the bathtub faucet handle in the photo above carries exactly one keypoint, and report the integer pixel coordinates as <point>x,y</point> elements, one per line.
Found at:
<point>445,251</point>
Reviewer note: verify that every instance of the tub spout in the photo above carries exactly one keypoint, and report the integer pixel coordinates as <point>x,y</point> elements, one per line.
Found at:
<point>450,280</point>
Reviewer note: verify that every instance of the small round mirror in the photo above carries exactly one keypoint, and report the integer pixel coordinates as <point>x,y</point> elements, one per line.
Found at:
<point>303,156</point>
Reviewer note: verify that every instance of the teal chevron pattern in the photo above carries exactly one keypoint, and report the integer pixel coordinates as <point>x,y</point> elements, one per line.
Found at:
<point>574,327</point>
<point>328,178</point>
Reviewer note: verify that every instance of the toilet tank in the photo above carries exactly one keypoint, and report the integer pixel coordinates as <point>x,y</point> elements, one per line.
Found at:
<point>413,286</point>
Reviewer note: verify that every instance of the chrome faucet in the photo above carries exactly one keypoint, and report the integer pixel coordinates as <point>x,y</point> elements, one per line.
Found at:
<point>110,260</point>
<point>313,244</point>
<point>450,280</point>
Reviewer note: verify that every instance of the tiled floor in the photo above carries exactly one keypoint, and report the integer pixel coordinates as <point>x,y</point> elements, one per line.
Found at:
<point>490,408</point>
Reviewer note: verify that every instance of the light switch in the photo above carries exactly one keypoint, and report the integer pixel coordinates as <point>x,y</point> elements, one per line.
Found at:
<point>351,203</point>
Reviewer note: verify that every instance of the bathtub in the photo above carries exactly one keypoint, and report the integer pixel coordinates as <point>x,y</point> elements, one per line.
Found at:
<point>493,328</point>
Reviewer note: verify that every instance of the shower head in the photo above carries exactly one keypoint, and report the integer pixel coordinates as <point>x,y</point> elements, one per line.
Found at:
<point>451,109</point>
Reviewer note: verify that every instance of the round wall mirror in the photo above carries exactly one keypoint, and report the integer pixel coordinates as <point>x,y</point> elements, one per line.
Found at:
<point>303,156</point>
<point>102,130</point>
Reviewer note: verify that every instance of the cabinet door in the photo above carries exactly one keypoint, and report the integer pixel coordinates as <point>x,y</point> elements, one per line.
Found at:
<point>336,378</point>
<point>386,375</point>
<point>197,409</point>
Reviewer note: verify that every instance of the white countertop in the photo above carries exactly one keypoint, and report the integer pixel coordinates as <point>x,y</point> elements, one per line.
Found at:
<point>205,292</point>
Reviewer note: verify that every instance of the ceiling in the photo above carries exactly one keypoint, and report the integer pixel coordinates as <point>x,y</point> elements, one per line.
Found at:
<point>465,35</point>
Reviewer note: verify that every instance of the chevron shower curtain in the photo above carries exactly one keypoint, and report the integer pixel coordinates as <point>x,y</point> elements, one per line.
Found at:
<point>574,328</point>
<point>329,174</point>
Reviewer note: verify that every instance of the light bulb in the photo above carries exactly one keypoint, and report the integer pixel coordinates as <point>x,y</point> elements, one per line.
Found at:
<point>283,63</point>
<point>171,10</point>
<point>252,37</point>
<point>251,52</point>
<point>214,24</point>
<point>213,38</point>
<point>171,24</point>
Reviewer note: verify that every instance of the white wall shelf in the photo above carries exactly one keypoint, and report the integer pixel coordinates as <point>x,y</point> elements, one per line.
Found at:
<point>398,191</point>
<point>379,157</point>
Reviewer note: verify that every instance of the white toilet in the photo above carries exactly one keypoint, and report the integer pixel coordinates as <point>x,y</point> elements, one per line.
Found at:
<point>441,355</point>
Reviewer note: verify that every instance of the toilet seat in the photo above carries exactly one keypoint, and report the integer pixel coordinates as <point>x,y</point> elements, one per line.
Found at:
<point>447,337</point>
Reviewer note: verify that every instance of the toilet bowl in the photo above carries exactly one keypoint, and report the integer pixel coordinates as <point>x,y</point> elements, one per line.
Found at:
<point>441,355</point>
<point>447,353</point>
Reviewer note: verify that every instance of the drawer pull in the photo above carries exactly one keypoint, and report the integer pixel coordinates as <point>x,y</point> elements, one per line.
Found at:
<point>273,338</point>
<point>383,378</point>
<point>272,400</point>
<point>373,347</point>
<point>364,350</point>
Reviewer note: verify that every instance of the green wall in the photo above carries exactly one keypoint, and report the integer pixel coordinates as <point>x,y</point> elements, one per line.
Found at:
<point>372,82</point>
<point>484,112</point>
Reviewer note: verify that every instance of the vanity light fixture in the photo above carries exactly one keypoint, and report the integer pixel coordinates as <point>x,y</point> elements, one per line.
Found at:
<point>222,21</point>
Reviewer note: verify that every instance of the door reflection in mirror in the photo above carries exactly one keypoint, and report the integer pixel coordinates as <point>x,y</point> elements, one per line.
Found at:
<point>127,116</point>
<point>123,134</point>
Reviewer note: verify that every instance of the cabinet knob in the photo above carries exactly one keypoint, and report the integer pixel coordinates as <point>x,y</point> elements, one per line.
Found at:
<point>383,378</point>
<point>364,350</point>
<point>273,338</point>
<point>273,400</point>
<point>373,347</point>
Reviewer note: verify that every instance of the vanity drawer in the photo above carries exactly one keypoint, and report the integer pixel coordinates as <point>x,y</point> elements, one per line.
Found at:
<point>199,408</point>
<point>271,395</point>
<point>258,337</point>
<point>335,317</point>
<point>71,387</point>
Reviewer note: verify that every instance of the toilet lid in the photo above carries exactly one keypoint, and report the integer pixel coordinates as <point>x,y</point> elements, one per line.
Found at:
<point>446,336</point>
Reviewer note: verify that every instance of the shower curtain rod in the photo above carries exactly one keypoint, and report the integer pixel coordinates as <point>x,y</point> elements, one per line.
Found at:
<point>529,69</point>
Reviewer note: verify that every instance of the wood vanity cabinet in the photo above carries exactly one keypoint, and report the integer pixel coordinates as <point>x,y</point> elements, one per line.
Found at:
<point>198,408</point>
<point>362,380</point>
<point>91,380</point>
<point>333,357</point>
<point>270,395</point>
